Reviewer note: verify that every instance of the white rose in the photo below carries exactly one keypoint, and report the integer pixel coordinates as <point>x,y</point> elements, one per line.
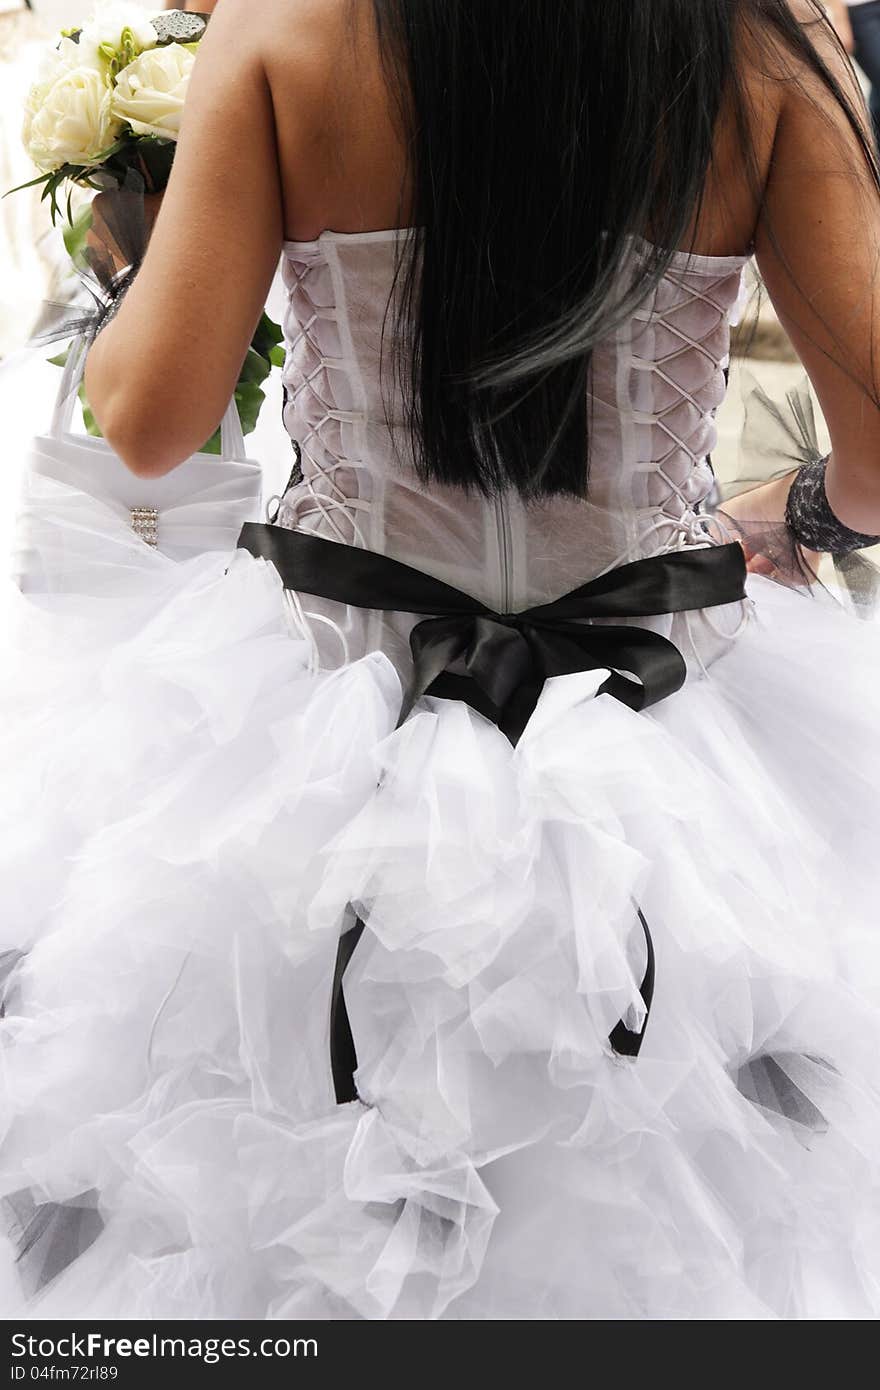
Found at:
<point>106,26</point>
<point>150,92</point>
<point>54,60</point>
<point>62,55</point>
<point>70,120</point>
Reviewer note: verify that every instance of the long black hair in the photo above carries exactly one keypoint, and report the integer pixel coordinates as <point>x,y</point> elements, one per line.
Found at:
<point>545,138</point>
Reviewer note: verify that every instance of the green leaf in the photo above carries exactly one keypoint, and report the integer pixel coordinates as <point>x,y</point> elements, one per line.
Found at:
<point>267,335</point>
<point>254,368</point>
<point>31,183</point>
<point>76,232</point>
<point>106,153</point>
<point>276,356</point>
<point>52,181</point>
<point>60,360</point>
<point>89,420</point>
<point>249,400</point>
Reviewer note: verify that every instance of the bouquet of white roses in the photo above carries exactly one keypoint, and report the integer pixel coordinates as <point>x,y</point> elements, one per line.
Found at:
<point>108,99</point>
<point>104,113</point>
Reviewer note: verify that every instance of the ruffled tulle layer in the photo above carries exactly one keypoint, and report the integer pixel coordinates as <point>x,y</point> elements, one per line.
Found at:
<point>191,816</point>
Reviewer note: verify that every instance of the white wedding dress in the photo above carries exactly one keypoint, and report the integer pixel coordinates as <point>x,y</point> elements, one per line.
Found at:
<point>203,783</point>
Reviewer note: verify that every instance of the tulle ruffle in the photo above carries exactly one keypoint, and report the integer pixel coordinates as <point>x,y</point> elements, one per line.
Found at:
<point>192,816</point>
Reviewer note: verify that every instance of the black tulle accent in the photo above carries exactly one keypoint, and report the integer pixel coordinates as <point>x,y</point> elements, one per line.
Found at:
<point>777,438</point>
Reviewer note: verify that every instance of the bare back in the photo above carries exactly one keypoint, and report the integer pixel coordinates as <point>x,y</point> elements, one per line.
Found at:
<point>804,202</point>
<point>309,138</point>
<point>341,150</point>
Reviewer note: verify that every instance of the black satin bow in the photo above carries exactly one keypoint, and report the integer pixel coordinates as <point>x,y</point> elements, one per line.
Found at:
<point>505,658</point>
<point>508,656</point>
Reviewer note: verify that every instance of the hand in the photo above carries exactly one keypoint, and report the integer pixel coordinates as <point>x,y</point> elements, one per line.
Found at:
<point>763,509</point>
<point>101,240</point>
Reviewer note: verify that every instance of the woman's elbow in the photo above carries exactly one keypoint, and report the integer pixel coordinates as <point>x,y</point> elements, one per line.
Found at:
<point>142,441</point>
<point>145,463</point>
<point>152,427</point>
<point>150,441</point>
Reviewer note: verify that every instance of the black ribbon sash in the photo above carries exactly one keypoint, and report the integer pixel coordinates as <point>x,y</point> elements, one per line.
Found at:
<point>505,658</point>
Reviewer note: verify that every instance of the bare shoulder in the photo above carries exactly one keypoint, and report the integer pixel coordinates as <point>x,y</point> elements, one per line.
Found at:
<point>322,62</point>
<point>300,41</point>
<point>339,142</point>
<point>808,123</point>
<point>308,40</point>
<point>778,62</point>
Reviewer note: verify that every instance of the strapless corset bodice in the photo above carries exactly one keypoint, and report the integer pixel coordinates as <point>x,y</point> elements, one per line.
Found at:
<point>655,388</point>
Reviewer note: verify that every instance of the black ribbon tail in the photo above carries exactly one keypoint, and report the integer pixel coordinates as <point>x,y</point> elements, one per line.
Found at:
<point>343,1056</point>
<point>624,1040</point>
<point>498,663</point>
<point>343,1053</point>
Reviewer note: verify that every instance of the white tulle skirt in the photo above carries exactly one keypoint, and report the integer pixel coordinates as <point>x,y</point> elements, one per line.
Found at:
<point>190,818</point>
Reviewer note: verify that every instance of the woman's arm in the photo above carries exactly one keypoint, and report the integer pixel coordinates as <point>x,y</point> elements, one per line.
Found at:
<point>161,374</point>
<point>818,249</point>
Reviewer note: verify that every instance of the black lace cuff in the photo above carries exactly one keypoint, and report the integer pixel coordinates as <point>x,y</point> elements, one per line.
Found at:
<point>811,520</point>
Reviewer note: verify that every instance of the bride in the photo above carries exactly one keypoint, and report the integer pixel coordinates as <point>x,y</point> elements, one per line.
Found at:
<point>462,902</point>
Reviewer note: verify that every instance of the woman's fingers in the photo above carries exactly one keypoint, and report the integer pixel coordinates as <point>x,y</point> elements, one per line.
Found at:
<point>760,564</point>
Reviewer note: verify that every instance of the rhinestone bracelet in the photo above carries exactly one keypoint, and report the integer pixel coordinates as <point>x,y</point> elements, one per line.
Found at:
<point>810,519</point>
